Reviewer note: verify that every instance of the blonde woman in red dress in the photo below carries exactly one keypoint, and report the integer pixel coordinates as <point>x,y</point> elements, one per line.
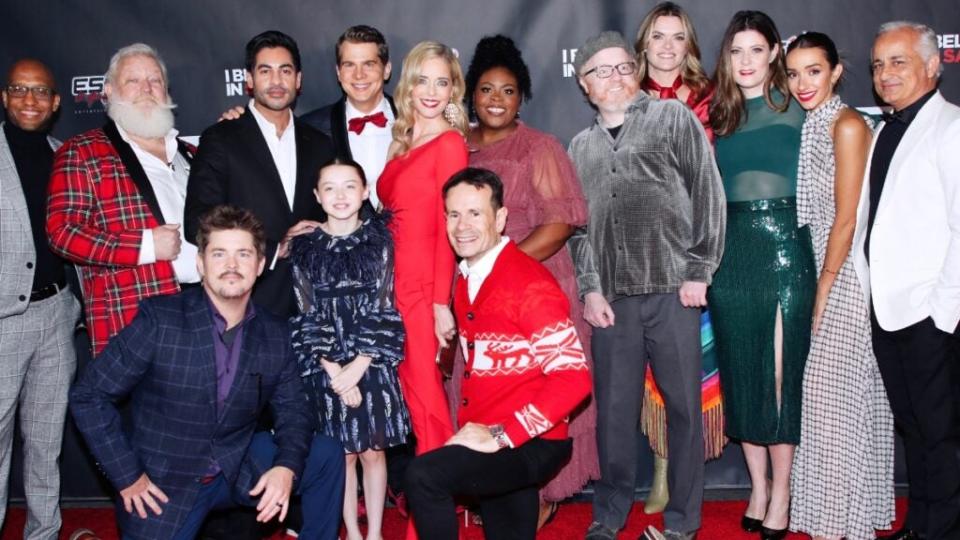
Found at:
<point>428,147</point>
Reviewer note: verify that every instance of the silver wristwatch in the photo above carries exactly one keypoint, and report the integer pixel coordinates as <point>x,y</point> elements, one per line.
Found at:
<point>496,430</point>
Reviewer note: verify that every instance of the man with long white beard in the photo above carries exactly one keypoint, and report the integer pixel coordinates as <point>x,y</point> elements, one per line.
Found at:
<point>116,197</point>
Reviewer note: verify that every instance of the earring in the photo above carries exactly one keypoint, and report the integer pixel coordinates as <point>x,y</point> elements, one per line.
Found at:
<point>452,114</point>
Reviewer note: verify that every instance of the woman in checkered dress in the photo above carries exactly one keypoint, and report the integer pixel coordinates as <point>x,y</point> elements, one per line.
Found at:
<point>842,478</point>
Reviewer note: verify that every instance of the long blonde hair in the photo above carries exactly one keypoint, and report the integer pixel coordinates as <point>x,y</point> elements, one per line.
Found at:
<point>410,75</point>
<point>691,72</point>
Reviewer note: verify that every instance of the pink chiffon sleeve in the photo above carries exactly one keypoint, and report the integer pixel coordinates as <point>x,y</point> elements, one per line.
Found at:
<point>555,186</point>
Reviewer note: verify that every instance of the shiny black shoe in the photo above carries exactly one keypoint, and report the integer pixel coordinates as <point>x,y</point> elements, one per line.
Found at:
<point>772,534</point>
<point>750,524</point>
<point>904,534</point>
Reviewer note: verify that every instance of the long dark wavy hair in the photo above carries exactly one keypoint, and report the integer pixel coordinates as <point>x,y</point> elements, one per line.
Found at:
<point>727,110</point>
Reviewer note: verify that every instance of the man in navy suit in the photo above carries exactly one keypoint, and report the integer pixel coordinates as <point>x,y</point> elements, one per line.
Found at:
<point>199,367</point>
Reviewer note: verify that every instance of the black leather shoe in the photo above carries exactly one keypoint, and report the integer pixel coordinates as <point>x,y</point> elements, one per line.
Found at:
<point>904,534</point>
<point>750,524</point>
<point>772,534</point>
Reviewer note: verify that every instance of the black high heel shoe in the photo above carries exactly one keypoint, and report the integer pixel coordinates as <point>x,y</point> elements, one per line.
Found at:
<point>750,525</point>
<point>772,534</point>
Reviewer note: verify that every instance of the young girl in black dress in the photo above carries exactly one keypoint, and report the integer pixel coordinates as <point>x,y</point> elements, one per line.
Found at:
<point>348,337</point>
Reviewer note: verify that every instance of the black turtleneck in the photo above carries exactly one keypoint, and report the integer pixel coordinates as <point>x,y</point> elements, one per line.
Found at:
<point>887,142</point>
<point>34,160</point>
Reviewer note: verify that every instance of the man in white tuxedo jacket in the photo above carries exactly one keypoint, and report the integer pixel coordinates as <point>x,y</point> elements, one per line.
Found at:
<point>907,253</point>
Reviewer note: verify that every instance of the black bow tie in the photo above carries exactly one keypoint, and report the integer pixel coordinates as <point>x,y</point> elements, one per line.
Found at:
<point>895,116</point>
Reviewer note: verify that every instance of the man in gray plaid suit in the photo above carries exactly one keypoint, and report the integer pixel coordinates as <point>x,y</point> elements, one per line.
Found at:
<point>37,312</point>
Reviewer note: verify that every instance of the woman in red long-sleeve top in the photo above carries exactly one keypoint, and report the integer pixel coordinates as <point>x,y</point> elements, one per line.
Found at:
<point>428,148</point>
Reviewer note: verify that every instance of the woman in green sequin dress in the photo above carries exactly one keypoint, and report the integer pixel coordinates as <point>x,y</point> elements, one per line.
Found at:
<point>762,295</point>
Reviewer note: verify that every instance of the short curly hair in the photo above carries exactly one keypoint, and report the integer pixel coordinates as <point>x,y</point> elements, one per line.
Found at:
<point>492,52</point>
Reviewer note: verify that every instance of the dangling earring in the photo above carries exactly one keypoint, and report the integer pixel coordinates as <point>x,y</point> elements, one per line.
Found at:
<point>452,114</point>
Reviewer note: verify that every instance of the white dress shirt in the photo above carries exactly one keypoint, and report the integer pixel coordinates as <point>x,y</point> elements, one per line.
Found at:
<point>369,149</point>
<point>477,272</point>
<point>168,178</point>
<point>283,149</point>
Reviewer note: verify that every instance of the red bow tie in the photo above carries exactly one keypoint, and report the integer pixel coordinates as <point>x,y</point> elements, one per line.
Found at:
<point>666,92</point>
<point>356,125</point>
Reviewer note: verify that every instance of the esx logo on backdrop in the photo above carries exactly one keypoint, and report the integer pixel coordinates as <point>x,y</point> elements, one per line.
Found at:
<point>87,89</point>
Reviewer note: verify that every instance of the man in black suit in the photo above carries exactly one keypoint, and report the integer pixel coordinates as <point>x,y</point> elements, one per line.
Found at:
<point>265,161</point>
<point>360,122</point>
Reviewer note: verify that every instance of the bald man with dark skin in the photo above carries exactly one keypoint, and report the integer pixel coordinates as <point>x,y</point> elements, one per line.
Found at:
<point>37,310</point>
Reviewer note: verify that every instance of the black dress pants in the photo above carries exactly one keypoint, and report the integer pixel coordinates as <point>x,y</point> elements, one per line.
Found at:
<point>920,372</point>
<point>505,484</point>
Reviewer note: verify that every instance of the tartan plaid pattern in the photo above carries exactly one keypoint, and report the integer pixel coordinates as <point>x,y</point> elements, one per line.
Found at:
<point>95,217</point>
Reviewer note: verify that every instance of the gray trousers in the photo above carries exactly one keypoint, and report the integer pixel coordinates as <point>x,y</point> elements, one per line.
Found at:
<point>655,327</point>
<point>37,364</point>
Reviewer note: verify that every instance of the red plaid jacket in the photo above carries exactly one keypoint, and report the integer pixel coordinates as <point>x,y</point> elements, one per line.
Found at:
<point>96,215</point>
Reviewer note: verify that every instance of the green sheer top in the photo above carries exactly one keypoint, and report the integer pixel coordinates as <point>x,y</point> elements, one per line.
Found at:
<point>759,159</point>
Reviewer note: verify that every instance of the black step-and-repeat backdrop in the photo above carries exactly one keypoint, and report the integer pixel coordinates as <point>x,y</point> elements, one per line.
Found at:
<point>202,43</point>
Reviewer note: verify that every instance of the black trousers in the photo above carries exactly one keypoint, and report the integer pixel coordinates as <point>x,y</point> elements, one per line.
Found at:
<point>505,484</point>
<point>920,372</point>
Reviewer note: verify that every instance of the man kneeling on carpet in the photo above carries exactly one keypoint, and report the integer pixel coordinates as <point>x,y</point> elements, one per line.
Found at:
<point>198,368</point>
<point>525,372</point>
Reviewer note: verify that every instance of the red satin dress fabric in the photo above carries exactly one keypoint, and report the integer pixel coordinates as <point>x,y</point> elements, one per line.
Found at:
<point>410,187</point>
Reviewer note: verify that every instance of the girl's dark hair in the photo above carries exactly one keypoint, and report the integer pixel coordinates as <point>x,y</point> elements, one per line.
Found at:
<point>727,110</point>
<point>818,40</point>
<point>343,160</point>
<point>492,52</point>
<point>366,209</point>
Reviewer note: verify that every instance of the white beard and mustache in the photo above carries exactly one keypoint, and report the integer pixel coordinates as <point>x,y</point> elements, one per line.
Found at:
<point>150,123</point>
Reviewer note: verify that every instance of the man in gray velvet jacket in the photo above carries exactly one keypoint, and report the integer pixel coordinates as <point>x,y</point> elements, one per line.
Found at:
<point>643,264</point>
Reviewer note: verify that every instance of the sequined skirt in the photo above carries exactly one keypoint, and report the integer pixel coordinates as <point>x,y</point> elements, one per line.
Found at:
<point>767,265</point>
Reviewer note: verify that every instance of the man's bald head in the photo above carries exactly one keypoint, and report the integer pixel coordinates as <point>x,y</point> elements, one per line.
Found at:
<point>32,64</point>
<point>30,95</point>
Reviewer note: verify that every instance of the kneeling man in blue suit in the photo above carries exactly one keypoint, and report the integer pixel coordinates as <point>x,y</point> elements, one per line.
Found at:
<point>198,368</point>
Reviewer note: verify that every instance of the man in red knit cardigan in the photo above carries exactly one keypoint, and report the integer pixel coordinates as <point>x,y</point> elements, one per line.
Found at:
<point>525,372</point>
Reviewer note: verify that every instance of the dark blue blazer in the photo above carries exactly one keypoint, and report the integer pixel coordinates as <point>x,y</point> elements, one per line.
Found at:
<point>164,361</point>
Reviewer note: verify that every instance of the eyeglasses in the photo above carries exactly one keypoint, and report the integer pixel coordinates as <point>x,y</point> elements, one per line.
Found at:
<point>39,92</point>
<point>606,71</point>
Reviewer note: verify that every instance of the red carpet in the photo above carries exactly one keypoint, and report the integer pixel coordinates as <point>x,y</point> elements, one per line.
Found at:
<point>721,521</point>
